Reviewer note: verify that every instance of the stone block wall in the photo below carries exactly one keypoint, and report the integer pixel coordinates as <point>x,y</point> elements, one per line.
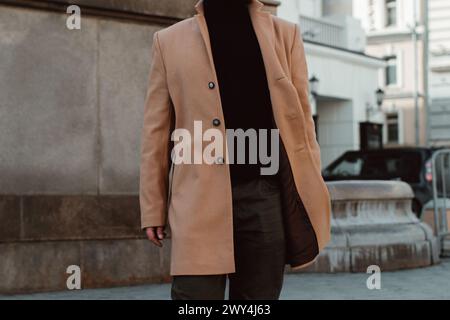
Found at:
<point>41,236</point>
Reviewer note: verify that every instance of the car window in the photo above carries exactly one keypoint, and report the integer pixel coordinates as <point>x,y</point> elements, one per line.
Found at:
<point>348,167</point>
<point>404,166</point>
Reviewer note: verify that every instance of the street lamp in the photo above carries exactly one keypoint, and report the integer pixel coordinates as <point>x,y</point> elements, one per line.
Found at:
<point>371,132</point>
<point>314,89</point>
<point>314,85</point>
<point>379,94</point>
<point>380,97</point>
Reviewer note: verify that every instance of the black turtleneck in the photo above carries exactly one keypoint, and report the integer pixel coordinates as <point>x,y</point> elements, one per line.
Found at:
<point>241,74</point>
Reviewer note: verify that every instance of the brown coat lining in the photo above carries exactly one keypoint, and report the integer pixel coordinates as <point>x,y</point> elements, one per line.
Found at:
<point>301,242</point>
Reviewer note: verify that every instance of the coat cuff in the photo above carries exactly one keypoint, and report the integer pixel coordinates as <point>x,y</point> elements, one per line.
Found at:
<point>147,222</point>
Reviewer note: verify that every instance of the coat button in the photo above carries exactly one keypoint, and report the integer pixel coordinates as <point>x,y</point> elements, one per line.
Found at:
<point>216,122</point>
<point>211,85</point>
<point>220,160</point>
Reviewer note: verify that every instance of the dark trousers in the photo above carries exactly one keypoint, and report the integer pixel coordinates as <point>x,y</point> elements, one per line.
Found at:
<point>259,249</point>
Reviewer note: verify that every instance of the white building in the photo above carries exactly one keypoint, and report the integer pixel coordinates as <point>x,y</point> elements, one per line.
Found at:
<point>348,78</point>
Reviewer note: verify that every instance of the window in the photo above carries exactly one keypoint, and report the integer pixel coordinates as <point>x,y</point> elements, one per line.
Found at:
<point>391,71</point>
<point>391,13</point>
<point>392,128</point>
<point>372,15</point>
<point>350,166</point>
<point>377,165</point>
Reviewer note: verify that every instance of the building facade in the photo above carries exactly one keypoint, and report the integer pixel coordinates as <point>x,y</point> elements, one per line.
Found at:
<point>394,33</point>
<point>347,78</point>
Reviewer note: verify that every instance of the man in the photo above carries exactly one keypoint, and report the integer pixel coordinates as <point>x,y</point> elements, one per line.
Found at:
<point>232,66</point>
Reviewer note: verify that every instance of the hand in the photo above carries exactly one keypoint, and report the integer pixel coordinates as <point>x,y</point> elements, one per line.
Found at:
<point>155,235</point>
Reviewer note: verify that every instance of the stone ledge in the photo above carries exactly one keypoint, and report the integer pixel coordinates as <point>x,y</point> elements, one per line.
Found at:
<point>59,218</point>
<point>392,247</point>
<point>41,266</point>
<point>151,11</point>
<point>373,224</point>
<point>366,190</point>
<point>357,259</point>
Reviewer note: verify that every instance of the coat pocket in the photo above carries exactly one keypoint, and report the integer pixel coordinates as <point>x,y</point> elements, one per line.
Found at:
<point>291,101</point>
<point>170,185</point>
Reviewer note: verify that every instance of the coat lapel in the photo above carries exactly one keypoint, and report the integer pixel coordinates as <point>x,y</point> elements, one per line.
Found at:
<point>204,31</point>
<point>265,32</point>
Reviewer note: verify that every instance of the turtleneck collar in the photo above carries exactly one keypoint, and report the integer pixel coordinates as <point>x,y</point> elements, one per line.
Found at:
<point>226,2</point>
<point>225,5</point>
<point>255,5</point>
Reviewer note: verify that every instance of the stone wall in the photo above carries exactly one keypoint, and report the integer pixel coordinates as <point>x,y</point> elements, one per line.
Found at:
<point>72,100</point>
<point>71,110</point>
<point>43,235</point>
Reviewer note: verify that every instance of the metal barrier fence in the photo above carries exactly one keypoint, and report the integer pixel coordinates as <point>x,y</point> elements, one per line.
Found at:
<point>441,191</point>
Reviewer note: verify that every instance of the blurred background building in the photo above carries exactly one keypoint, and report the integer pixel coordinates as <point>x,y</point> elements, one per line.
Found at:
<point>439,55</point>
<point>345,78</point>
<point>415,77</point>
<point>394,31</point>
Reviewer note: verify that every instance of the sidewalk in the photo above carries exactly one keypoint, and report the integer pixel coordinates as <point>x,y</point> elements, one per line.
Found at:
<point>427,283</point>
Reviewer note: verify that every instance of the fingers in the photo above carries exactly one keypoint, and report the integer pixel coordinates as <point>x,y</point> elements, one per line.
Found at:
<point>153,236</point>
<point>160,233</point>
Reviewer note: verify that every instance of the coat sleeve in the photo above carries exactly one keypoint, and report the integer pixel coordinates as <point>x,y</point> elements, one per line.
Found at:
<point>155,144</point>
<point>300,79</point>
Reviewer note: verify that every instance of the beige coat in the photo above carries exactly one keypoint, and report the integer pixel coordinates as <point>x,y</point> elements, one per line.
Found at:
<point>198,201</point>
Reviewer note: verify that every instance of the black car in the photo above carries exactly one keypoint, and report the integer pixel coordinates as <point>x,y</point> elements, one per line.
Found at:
<point>411,165</point>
